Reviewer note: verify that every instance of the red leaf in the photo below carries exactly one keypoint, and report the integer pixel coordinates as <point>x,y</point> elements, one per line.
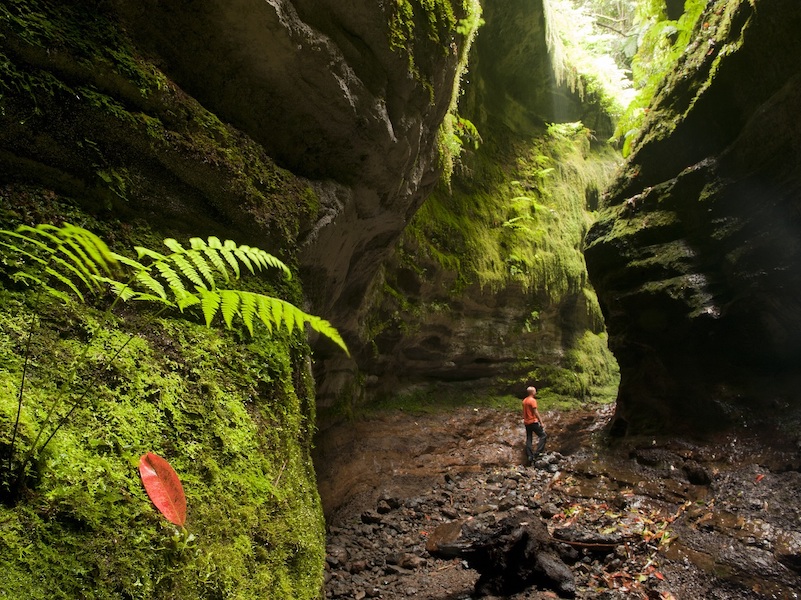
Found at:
<point>760,477</point>
<point>164,488</point>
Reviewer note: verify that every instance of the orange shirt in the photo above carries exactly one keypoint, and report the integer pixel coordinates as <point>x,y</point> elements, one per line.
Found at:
<point>529,410</point>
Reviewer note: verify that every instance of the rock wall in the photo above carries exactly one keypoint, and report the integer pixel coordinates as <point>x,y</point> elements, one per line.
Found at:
<point>304,128</point>
<point>324,88</point>
<point>308,128</point>
<point>697,257</point>
<point>436,321</point>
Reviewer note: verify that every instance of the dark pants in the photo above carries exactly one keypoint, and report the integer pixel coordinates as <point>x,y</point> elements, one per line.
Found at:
<point>541,437</point>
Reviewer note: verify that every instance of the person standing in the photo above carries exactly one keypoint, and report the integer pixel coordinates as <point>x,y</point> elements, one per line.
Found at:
<point>533,423</point>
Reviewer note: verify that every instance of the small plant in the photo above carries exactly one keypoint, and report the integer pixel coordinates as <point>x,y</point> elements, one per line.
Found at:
<point>70,262</point>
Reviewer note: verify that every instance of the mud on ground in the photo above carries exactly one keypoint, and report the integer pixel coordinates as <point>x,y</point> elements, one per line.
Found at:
<point>645,518</point>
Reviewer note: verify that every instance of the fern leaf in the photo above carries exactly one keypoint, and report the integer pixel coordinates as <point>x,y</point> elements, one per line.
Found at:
<point>264,310</point>
<point>66,281</point>
<point>202,266</point>
<point>152,284</point>
<point>143,297</point>
<point>142,252</point>
<point>21,251</point>
<point>86,277</point>
<point>243,256</point>
<point>229,257</point>
<point>76,253</point>
<point>185,300</point>
<point>268,260</point>
<point>173,245</point>
<point>247,309</point>
<point>211,250</point>
<point>209,303</point>
<point>129,262</point>
<point>187,270</point>
<point>276,312</point>
<point>172,278</point>
<point>43,284</point>
<point>229,305</point>
<point>325,328</point>
<point>122,290</point>
<point>215,259</point>
<point>94,247</point>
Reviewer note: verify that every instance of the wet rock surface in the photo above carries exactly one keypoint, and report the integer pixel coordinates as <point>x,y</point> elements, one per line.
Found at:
<point>423,515</point>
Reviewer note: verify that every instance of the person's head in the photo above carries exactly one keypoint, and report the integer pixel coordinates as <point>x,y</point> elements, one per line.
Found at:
<point>531,390</point>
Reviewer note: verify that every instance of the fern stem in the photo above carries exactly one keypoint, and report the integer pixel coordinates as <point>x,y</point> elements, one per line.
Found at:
<point>22,389</point>
<point>87,388</point>
<point>65,387</point>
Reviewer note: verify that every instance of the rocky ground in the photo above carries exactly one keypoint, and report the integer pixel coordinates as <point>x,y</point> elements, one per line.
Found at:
<point>638,518</point>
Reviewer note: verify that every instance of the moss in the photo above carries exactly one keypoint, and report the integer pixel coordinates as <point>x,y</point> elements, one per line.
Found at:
<point>234,415</point>
<point>103,113</point>
<point>485,231</point>
<point>514,218</point>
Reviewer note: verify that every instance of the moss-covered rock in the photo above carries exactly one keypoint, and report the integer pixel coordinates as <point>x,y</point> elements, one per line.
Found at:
<point>234,415</point>
<point>695,256</point>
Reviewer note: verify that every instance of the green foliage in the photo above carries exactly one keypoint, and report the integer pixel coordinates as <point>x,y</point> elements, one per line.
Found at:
<point>524,224</point>
<point>662,42</point>
<point>72,258</point>
<point>235,419</point>
<point>583,46</point>
<point>75,257</point>
<point>419,28</point>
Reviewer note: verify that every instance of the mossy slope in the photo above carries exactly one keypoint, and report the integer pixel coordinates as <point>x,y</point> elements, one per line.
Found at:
<point>234,415</point>
<point>488,289</point>
<point>93,133</point>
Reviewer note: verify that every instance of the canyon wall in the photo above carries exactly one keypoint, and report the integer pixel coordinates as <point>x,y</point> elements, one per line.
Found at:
<point>697,256</point>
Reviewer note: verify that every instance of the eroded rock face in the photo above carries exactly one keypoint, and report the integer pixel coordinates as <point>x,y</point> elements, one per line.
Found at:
<point>438,327</point>
<point>697,259</point>
<point>320,86</point>
<point>205,116</point>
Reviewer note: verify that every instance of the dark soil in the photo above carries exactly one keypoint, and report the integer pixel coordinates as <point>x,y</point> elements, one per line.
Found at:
<point>642,518</point>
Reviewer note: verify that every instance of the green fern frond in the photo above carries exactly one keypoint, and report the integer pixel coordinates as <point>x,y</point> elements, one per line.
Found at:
<point>244,258</point>
<point>211,253</point>
<point>17,249</point>
<point>70,254</point>
<point>229,257</point>
<point>229,305</point>
<point>92,247</point>
<point>202,267</point>
<point>247,309</point>
<point>144,297</point>
<point>129,262</point>
<point>121,290</point>
<point>187,270</point>
<point>209,303</point>
<point>186,300</point>
<point>74,257</point>
<point>174,245</point>
<point>152,284</point>
<point>51,291</point>
<point>325,328</point>
<point>172,278</point>
<point>142,252</point>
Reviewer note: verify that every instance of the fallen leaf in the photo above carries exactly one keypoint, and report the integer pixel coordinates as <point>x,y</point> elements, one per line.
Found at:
<point>163,487</point>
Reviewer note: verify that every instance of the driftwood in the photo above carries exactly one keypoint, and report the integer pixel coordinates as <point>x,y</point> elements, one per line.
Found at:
<point>510,556</point>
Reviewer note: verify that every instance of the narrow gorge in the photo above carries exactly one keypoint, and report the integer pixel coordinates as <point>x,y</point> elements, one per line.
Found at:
<point>599,198</point>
